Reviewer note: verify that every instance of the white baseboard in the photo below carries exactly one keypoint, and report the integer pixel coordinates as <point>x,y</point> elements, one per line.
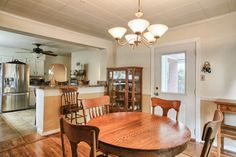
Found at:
<point>40,132</point>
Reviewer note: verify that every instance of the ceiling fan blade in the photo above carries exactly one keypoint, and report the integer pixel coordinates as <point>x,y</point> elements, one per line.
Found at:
<point>47,51</point>
<point>26,49</point>
<point>23,52</point>
<point>50,54</point>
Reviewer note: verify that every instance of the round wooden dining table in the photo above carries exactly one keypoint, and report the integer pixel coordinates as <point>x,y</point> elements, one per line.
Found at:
<point>138,134</point>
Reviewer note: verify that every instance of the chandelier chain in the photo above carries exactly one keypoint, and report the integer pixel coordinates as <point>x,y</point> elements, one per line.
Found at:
<point>139,3</point>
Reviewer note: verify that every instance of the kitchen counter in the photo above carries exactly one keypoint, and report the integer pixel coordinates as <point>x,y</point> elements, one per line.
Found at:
<point>49,101</point>
<point>56,87</point>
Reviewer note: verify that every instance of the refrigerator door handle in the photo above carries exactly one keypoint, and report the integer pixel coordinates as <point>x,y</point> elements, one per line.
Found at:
<point>6,94</point>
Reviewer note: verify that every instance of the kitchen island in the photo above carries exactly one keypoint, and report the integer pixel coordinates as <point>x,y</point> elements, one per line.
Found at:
<point>48,103</point>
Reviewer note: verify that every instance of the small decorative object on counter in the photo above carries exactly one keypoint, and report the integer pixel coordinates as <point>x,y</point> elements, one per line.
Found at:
<point>80,74</point>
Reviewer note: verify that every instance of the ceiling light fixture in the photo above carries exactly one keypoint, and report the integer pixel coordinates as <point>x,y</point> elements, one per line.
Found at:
<point>138,27</point>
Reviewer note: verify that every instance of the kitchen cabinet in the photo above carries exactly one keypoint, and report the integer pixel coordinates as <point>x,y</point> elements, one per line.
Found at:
<point>4,59</point>
<point>36,67</point>
<point>125,88</point>
<point>20,59</point>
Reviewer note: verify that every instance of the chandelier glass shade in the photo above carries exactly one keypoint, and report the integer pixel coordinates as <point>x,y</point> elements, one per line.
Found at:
<point>142,31</point>
<point>138,25</point>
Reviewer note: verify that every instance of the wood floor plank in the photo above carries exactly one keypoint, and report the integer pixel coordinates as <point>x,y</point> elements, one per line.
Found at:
<point>19,152</point>
<point>32,138</point>
<point>10,144</point>
<point>50,146</point>
<point>83,148</point>
<point>45,148</point>
<point>5,154</point>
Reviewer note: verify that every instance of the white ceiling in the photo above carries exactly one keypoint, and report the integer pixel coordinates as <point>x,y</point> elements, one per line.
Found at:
<point>95,17</point>
<point>23,43</point>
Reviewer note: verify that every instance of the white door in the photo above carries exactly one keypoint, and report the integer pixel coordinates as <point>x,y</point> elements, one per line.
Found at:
<point>174,78</point>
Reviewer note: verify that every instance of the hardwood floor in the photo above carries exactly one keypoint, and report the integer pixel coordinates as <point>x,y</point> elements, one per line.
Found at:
<point>36,146</point>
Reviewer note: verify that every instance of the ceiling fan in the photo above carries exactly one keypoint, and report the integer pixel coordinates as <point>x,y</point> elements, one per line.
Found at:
<point>38,50</point>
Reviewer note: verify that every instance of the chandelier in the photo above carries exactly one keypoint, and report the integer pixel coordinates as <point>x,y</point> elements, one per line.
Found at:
<point>143,32</point>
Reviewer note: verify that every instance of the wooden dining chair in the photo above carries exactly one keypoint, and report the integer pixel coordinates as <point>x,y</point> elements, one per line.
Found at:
<point>71,107</point>
<point>209,132</point>
<point>166,105</point>
<point>77,134</point>
<point>96,106</point>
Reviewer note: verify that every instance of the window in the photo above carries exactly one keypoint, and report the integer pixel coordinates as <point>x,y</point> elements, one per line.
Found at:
<point>173,73</point>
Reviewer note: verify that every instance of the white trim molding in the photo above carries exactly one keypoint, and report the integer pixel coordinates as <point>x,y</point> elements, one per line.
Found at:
<point>46,133</point>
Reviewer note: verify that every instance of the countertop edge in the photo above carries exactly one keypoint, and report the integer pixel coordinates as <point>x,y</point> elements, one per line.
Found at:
<point>58,87</point>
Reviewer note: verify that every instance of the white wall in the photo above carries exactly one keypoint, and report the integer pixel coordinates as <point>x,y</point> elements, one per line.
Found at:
<point>140,56</point>
<point>96,60</point>
<point>217,45</point>
<point>66,60</point>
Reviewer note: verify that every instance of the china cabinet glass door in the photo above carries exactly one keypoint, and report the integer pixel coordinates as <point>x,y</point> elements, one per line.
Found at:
<point>125,88</point>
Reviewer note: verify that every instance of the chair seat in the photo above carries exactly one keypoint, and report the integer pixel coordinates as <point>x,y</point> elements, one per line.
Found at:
<point>73,112</point>
<point>70,108</point>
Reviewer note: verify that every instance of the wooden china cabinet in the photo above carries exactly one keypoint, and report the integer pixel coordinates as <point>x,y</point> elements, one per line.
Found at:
<point>125,88</point>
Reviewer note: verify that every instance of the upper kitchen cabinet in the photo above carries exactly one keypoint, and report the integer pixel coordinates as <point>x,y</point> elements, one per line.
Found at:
<point>4,59</point>
<point>125,88</point>
<point>20,59</point>
<point>36,66</point>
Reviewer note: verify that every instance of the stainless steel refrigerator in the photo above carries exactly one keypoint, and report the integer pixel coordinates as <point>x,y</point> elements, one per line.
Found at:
<point>14,86</point>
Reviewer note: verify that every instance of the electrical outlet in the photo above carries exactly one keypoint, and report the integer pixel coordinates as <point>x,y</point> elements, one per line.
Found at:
<point>202,78</point>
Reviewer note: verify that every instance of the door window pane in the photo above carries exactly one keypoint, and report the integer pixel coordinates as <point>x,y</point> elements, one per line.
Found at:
<point>173,73</point>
